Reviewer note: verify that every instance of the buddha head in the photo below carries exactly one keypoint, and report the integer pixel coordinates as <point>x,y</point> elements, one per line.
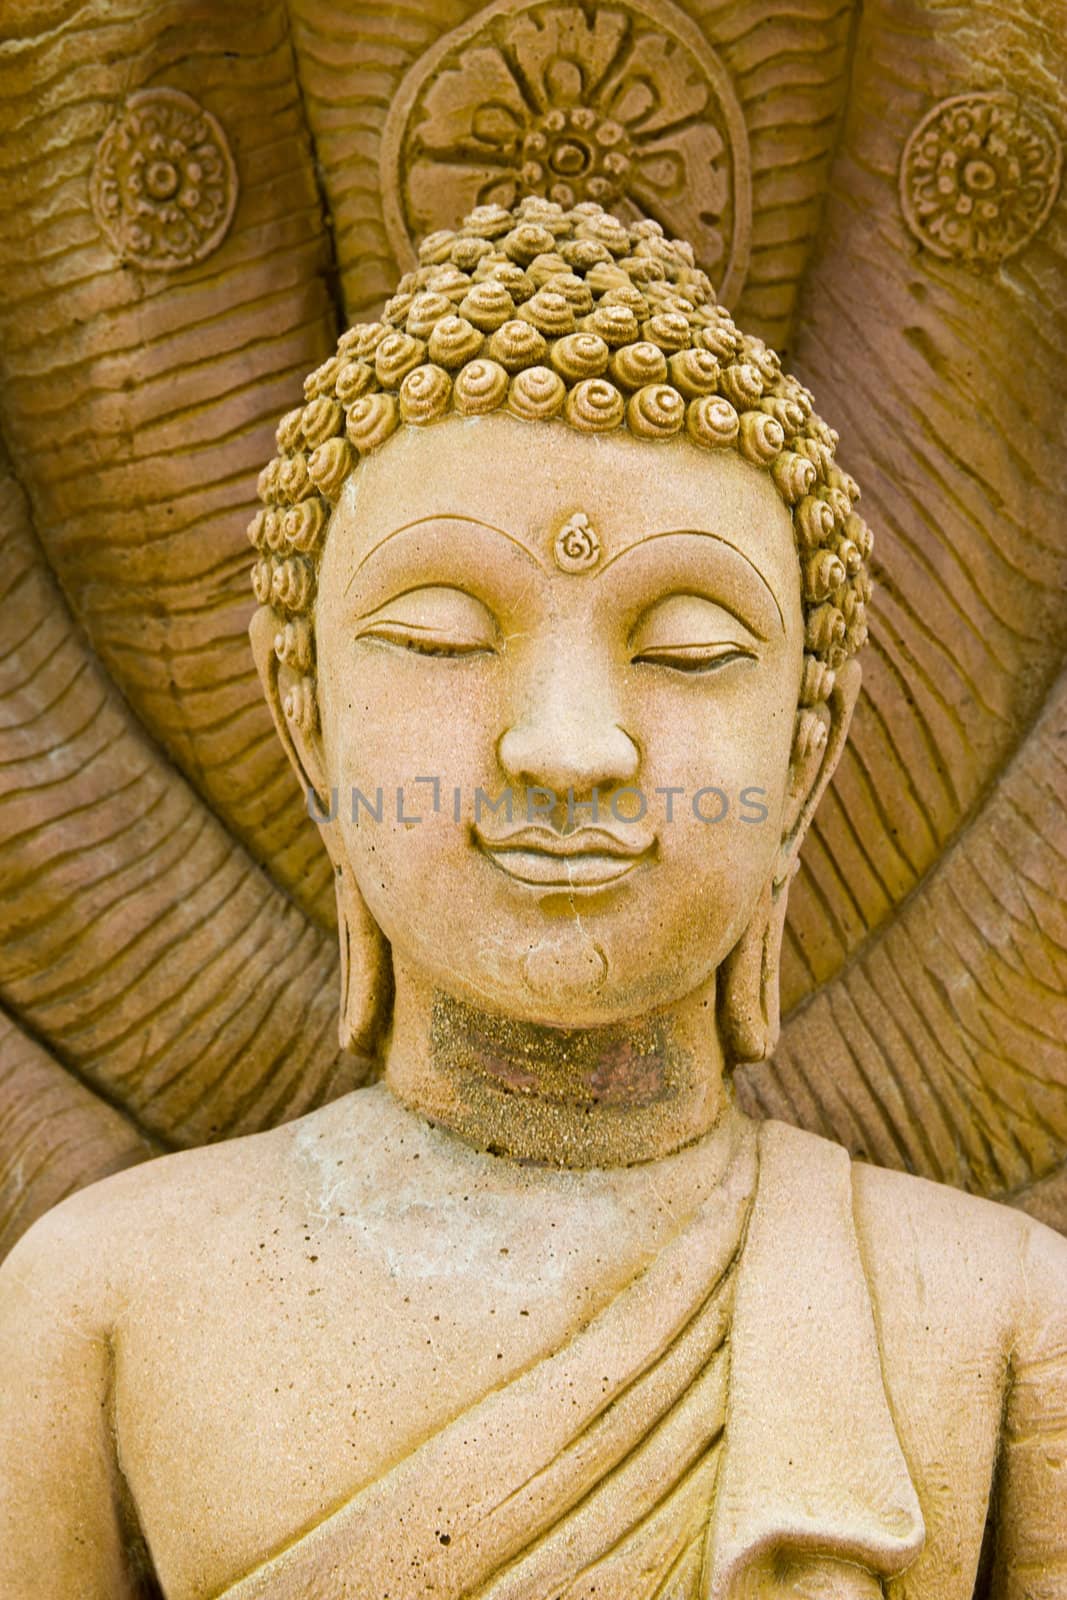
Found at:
<point>560,586</point>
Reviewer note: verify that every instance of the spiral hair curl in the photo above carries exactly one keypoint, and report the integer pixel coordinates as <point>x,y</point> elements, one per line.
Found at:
<point>571,314</point>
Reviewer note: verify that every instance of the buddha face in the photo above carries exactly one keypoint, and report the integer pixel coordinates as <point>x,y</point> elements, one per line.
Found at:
<point>603,637</point>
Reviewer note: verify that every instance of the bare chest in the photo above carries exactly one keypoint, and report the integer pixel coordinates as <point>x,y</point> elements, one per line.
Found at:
<point>274,1379</point>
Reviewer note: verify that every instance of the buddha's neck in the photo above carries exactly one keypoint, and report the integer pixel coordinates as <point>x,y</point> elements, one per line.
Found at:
<point>582,1097</point>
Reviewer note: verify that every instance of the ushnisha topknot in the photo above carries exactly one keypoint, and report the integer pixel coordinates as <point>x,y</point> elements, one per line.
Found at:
<point>569,315</point>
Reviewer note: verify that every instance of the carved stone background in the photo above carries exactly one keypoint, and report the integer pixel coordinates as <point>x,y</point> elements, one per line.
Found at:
<point>167,969</point>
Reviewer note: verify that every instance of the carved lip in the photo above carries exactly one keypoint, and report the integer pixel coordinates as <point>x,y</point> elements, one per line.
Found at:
<point>589,858</point>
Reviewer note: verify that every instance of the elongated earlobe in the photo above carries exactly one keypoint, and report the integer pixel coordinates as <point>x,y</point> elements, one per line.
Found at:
<point>748,997</point>
<point>366,969</point>
<point>749,979</point>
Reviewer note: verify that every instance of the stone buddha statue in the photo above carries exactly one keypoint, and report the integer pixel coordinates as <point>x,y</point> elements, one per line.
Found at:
<point>561,589</point>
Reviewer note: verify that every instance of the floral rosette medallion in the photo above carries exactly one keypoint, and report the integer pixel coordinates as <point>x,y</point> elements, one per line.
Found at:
<point>625,105</point>
<point>979,176</point>
<point>164,184</point>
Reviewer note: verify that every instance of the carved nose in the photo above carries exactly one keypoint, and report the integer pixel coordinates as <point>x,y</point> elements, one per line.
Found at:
<point>563,747</point>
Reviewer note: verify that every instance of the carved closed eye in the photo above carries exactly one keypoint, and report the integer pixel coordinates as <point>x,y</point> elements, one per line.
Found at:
<point>690,633</point>
<point>433,621</point>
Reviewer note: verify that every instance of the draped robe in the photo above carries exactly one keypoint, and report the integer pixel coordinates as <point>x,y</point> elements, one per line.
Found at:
<point>723,1415</point>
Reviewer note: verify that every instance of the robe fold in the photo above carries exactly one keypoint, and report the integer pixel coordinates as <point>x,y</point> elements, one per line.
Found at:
<point>721,1428</point>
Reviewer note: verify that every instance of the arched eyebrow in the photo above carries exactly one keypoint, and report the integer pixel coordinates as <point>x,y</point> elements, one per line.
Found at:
<point>444,516</point>
<point>698,533</point>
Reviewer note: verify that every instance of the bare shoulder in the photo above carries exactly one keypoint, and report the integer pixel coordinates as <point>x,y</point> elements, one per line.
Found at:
<point>66,1527</point>
<point>88,1255</point>
<point>115,1272</point>
<point>990,1259</point>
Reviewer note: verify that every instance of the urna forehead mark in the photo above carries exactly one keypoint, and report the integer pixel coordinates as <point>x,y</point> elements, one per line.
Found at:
<point>577,547</point>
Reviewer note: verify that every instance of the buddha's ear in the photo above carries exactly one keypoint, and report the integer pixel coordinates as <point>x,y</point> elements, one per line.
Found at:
<point>748,1009</point>
<point>299,734</point>
<point>366,973</point>
<point>818,742</point>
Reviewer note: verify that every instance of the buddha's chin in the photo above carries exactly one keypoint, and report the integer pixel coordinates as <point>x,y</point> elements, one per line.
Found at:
<point>585,969</point>
<point>580,975</point>
<point>566,967</point>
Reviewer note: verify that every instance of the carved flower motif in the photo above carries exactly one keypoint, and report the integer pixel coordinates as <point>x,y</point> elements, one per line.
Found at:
<point>623,105</point>
<point>164,185</point>
<point>979,177</point>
